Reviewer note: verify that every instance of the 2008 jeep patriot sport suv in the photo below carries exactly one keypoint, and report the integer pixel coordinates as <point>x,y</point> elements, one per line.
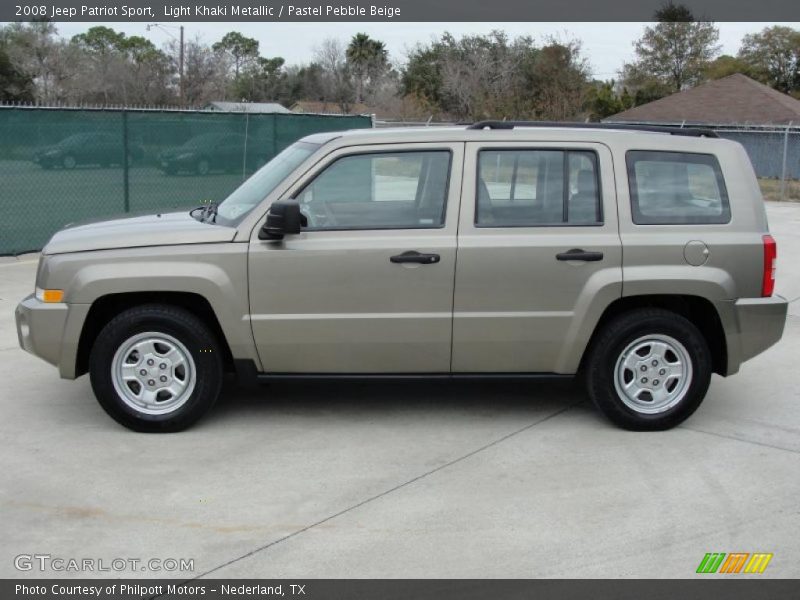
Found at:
<point>640,259</point>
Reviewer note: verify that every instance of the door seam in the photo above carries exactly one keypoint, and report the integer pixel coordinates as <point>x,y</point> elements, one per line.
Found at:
<point>455,254</point>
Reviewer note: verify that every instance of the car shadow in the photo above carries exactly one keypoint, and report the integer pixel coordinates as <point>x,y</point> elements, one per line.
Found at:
<point>390,396</point>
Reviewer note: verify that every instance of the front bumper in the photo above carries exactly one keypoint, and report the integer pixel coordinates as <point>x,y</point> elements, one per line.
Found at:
<point>40,328</point>
<point>51,331</point>
<point>755,325</point>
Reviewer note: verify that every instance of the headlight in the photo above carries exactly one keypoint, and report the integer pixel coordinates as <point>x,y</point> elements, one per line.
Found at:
<point>184,156</point>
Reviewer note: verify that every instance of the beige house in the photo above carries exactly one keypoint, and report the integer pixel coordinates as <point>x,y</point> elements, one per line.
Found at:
<point>329,108</point>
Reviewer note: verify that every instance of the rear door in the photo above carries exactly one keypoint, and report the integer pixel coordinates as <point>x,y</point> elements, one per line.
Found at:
<point>539,255</point>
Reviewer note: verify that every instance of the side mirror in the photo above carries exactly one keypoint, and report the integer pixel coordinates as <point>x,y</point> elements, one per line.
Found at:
<point>284,217</point>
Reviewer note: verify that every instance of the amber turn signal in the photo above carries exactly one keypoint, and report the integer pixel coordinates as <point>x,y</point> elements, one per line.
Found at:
<point>50,296</point>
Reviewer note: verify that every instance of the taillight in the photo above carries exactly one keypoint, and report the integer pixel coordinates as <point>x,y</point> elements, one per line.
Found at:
<point>770,256</point>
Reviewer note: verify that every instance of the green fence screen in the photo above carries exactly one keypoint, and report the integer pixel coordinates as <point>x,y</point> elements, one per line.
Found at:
<point>60,166</point>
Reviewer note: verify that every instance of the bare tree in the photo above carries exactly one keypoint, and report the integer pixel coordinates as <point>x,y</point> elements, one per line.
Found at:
<point>149,72</point>
<point>492,76</point>
<point>205,74</point>
<point>478,73</point>
<point>337,86</point>
<point>35,50</point>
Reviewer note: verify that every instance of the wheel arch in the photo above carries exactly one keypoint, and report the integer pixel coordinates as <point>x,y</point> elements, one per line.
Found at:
<point>698,310</point>
<point>106,307</point>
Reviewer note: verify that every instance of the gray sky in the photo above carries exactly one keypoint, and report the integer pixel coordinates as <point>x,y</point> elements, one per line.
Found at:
<point>606,45</point>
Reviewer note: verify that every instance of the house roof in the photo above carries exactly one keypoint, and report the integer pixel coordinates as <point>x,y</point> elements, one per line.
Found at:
<point>735,99</point>
<point>248,107</point>
<point>330,108</point>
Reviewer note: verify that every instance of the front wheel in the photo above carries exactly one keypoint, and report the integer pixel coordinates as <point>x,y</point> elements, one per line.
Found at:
<point>156,368</point>
<point>648,369</point>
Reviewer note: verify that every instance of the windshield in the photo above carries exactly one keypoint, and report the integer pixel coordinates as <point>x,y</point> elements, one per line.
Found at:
<point>263,181</point>
<point>207,139</point>
<point>78,138</point>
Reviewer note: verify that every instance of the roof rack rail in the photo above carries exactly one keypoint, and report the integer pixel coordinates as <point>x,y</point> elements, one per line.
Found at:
<point>687,131</point>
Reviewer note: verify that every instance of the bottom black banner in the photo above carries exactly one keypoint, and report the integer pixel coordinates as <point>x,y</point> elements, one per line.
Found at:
<point>397,589</point>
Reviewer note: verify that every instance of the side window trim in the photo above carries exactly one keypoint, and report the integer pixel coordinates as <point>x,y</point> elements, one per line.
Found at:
<point>367,152</point>
<point>566,150</point>
<point>709,159</point>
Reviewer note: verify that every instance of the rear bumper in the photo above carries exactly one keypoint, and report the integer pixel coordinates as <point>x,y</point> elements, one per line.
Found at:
<point>51,331</point>
<point>754,325</point>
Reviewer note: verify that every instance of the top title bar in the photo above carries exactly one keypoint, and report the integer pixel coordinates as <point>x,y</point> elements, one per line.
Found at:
<point>391,10</point>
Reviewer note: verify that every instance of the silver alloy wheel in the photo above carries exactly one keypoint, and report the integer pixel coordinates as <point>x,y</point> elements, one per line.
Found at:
<point>653,374</point>
<point>153,373</point>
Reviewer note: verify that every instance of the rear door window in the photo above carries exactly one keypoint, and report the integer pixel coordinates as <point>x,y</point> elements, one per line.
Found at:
<point>537,187</point>
<point>676,188</point>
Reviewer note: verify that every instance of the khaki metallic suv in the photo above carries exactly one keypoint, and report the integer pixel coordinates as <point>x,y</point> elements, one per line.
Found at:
<point>638,258</point>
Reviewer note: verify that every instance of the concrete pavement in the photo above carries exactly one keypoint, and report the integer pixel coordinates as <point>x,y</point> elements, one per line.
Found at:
<point>405,480</point>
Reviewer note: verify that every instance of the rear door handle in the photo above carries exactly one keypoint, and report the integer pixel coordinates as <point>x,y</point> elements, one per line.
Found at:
<point>412,256</point>
<point>578,254</point>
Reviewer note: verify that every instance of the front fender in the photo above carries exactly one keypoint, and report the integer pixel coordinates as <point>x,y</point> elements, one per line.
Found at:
<point>217,272</point>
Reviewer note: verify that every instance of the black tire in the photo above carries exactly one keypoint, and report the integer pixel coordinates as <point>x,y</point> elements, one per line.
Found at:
<point>181,325</point>
<point>611,342</point>
<point>69,162</point>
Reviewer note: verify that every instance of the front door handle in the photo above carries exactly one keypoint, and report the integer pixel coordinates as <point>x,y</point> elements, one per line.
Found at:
<point>578,254</point>
<point>412,256</point>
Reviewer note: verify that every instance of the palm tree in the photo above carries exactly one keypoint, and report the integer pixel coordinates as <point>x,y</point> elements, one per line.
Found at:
<point>367,59</point>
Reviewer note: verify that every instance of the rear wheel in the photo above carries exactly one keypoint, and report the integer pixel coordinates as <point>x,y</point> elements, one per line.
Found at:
<point>69,162</point>
<point>156,368</point>
<point>648,369</point>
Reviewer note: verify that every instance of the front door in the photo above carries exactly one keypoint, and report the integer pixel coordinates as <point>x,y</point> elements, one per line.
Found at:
<point>367,286</point>
<point>539,255</point>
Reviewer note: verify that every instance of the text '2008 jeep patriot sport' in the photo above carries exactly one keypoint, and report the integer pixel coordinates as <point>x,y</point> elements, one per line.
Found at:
<point>640,259</point>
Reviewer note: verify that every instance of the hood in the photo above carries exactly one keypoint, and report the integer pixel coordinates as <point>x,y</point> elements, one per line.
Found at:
<point>46,149</point>
<point>169,152</point>
<point>174,151</point>
<point>165,229</point>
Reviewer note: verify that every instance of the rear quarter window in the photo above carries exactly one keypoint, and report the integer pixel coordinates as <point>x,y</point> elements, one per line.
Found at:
<point>676,188</point>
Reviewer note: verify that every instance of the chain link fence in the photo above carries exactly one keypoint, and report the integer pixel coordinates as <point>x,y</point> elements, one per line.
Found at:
<point>774,151</point>
<point>775,154</point>
<point>60,166</point>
